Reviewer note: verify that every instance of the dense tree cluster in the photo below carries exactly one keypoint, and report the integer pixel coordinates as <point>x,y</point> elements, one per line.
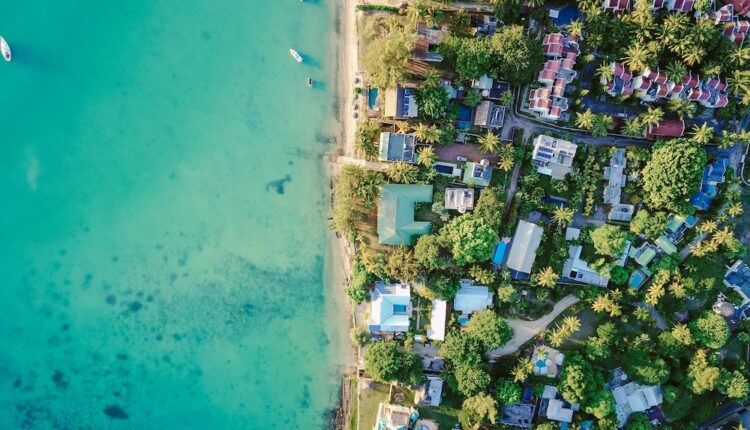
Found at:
<point>673,174</point>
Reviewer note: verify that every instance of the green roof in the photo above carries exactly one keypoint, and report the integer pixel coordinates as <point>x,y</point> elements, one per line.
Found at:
<point>396,224</point>
<point>665,245</point>
<point>644,254</point>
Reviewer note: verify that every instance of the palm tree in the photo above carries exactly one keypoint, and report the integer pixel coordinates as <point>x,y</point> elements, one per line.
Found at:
<point>556,337</point>
<point>571,324</point>
<point>505,162</point>
<point>675,71</point>
<point>735,210</point>
<point>677,289</point>
<point>632,127</point>
<point>427,156</point>
<point>488,142</point>
<point>585,120</point>
<point>403,173</point>
<point>683,108</point>
<point>682,333</point>
<point>421,131</point>
<point>676,23</point>
<point>433,134</point>
<point>740,56</point>
<point>637,57</point>
<point>403,127</point>
<point>708,226</point>
<point>739,82</point>
<point>702,134</point>
<point>694,56</point>
<point>416,11</point>
<point>641,314</point>
<point>712,69</point>
<point>605,72</point>
<point>563,216</point>
<point>602,125</point>
<point>547,277</point>
<point>575,28</point>
<point>723,236</point>
<point>652,116</point>
<point>522,370</point>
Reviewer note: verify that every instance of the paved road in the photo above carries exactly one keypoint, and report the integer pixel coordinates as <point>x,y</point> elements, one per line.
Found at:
<point>523,331</point>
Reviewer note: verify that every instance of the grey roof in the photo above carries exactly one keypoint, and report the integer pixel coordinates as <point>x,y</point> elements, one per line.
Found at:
<point>489,115</point>
<point>517,414</point>
<point>523,249</point>
<point>397,147</point>
<point>621,212</point>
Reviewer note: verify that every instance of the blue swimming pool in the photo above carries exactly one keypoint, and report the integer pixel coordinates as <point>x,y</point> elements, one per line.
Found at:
<point>463,117</point>
<point>372,97</point>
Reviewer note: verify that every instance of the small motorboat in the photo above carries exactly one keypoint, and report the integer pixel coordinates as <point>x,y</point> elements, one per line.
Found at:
<point>309,82</point>
<point>295,55</point>
<point>5,49</point>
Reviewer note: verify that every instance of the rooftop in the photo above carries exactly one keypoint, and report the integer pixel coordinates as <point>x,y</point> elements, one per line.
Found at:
<point>523,247</point>
<point>396,224</point>
<point>397,147</point>
<point>390,308</point>
<point>478,174</point>
<point>460,199</point>
<point>471,298</point>
<point>437,320</point>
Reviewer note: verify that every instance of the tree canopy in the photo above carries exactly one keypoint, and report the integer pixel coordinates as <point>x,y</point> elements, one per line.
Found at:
<point>710,330</point>
<point>489,329</point>
<point>673,174</point>
<point>387,57</point>
<point>386,362</point>
<point>470,238</point>
<point>609,240</point>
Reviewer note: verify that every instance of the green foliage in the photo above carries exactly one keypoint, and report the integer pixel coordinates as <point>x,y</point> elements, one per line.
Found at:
<point>609,240</point>
<point>402,265</point>
<point>507,392</point>
<point>489,329</point>
<point>472,98</point>
<point>375,7</point>
<point>465,371</point>
<point>441,285</point>
<point>619,275</point>
<point>387,57</point>
<point>355,192</point>
<point>733,385</point>
<point>386,362</point>
<point>598,346</point>
<point>602,404</point>
<point>490,206</point>
<point>652,225</point>
<point>403,173</point>
<point>470,380</point>
<point>359,336</point>
<point>477,411</point>
<point>470,238</point>
<point>359,283</point>
<point>483,276</point>
<point>578,382</point>
<point>638,422</point>
<point>429,252</point>
<point>646,368</point>
<point>673,174</point>
<point>432,100</point>
<point>702,377</point>
<point>710,330</point>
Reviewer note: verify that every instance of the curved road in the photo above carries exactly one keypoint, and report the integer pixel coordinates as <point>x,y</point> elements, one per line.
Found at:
<point>523,331</point>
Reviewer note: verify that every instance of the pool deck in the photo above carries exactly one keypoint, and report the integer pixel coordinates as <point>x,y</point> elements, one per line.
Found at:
<point>470,151</point>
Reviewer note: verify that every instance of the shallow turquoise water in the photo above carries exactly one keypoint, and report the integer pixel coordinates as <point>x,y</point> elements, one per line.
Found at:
<point>163,215</point>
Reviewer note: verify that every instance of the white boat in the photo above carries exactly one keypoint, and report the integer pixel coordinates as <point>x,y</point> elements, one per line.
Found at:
<point>5,49</point>
<point>296,55</point>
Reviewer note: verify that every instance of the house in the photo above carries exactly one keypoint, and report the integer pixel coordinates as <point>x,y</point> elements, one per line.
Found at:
<point>484,83</point>
<point>679,5</point>
<point>615,176</point>
<point>395,417</point>
<point>723,14</point>
<point>666,246</point>
<point>633,397</point>
<point>550,101</point>
<point>523,248</point>
<point>460,199</point>
<point>578,270</point>
<point>471,298</point>
<point>547,361</point>
<point>428,36</point>
<point>430,393</point>
<point>397,147</point>
<point>615,6</point>
<point>713,175</point>
<point>552,156</point>
<point>437,320</point>
<point>737,31</point>
<point>482,24</point>
<point>677,225</point>
<point>489,115</point>
<point>401,102</point>
<point>396,224</point>
<point>643,255</point>
<point>478,174</point>
<point>741,7</point>
<point>738,278</point>
<point>390,308</point>
<point>517,415</point>
<point>666,129</point>
<point>554,407</point>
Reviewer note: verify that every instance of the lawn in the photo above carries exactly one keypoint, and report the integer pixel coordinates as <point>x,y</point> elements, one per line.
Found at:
<point>446,415</point>
<point>369,399</point>
<point>353,416</point>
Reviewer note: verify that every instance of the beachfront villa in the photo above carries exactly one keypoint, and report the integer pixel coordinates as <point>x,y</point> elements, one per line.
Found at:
<point>471,298</point>
<point>438,315</point>
<point>523,249</point>
<point>553,157</point>
<point>401,103</point>
<point>390,308</point>
<point>395,417</point>
<point>478,174</point>
<point>396,224</point>
<point>460,199</point>
<point>397,147</point>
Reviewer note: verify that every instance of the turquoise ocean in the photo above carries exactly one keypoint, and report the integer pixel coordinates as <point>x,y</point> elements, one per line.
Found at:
<point>163,201</point>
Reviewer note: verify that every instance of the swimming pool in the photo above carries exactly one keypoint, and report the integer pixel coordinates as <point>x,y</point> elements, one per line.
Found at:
<point>372,97</point>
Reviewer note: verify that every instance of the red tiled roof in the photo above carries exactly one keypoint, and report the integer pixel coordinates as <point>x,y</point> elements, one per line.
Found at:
<point>677,89</point>
<point>568,64</point>
<point>615,5</point>
<point>645,84</point>
<point>555,111</point>
<point>553,49</point>
<point>722,101</point>
<point>661,78</point>
<point>547,75</point>
<point>627,90</point>
<point>694,93</point>
<point>741,7</point>
<point>690,80</point>
<point>662,90</point>
<point>552,38</point>
<point>658,4</point>
<point>553,65</point>
<point>559,88</point>
<point>666,128</point>
<point>705,95</point>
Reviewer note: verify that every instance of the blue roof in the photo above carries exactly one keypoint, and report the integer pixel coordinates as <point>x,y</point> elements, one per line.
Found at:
<point>701,201</point>
<point>500,251</point>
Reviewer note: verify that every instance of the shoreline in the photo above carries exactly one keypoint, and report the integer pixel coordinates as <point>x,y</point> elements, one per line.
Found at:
<point>339,251</point>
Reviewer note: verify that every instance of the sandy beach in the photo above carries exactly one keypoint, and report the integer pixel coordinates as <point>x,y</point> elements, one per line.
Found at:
<point>348,66</point>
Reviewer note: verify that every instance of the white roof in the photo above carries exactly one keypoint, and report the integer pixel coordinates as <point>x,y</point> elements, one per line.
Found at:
<point>633,397</point>
<point>484,83</point>
<point>460,199</point>
<point>472,298</point>
<point>557,412</point>
<point>385,308</point>
<point>525,243</point>
<point>431,393</point>
<point>437,320</point>
<point>572,233</point>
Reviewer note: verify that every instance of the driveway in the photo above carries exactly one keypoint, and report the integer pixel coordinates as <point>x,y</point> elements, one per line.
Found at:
<point>523,331</point>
